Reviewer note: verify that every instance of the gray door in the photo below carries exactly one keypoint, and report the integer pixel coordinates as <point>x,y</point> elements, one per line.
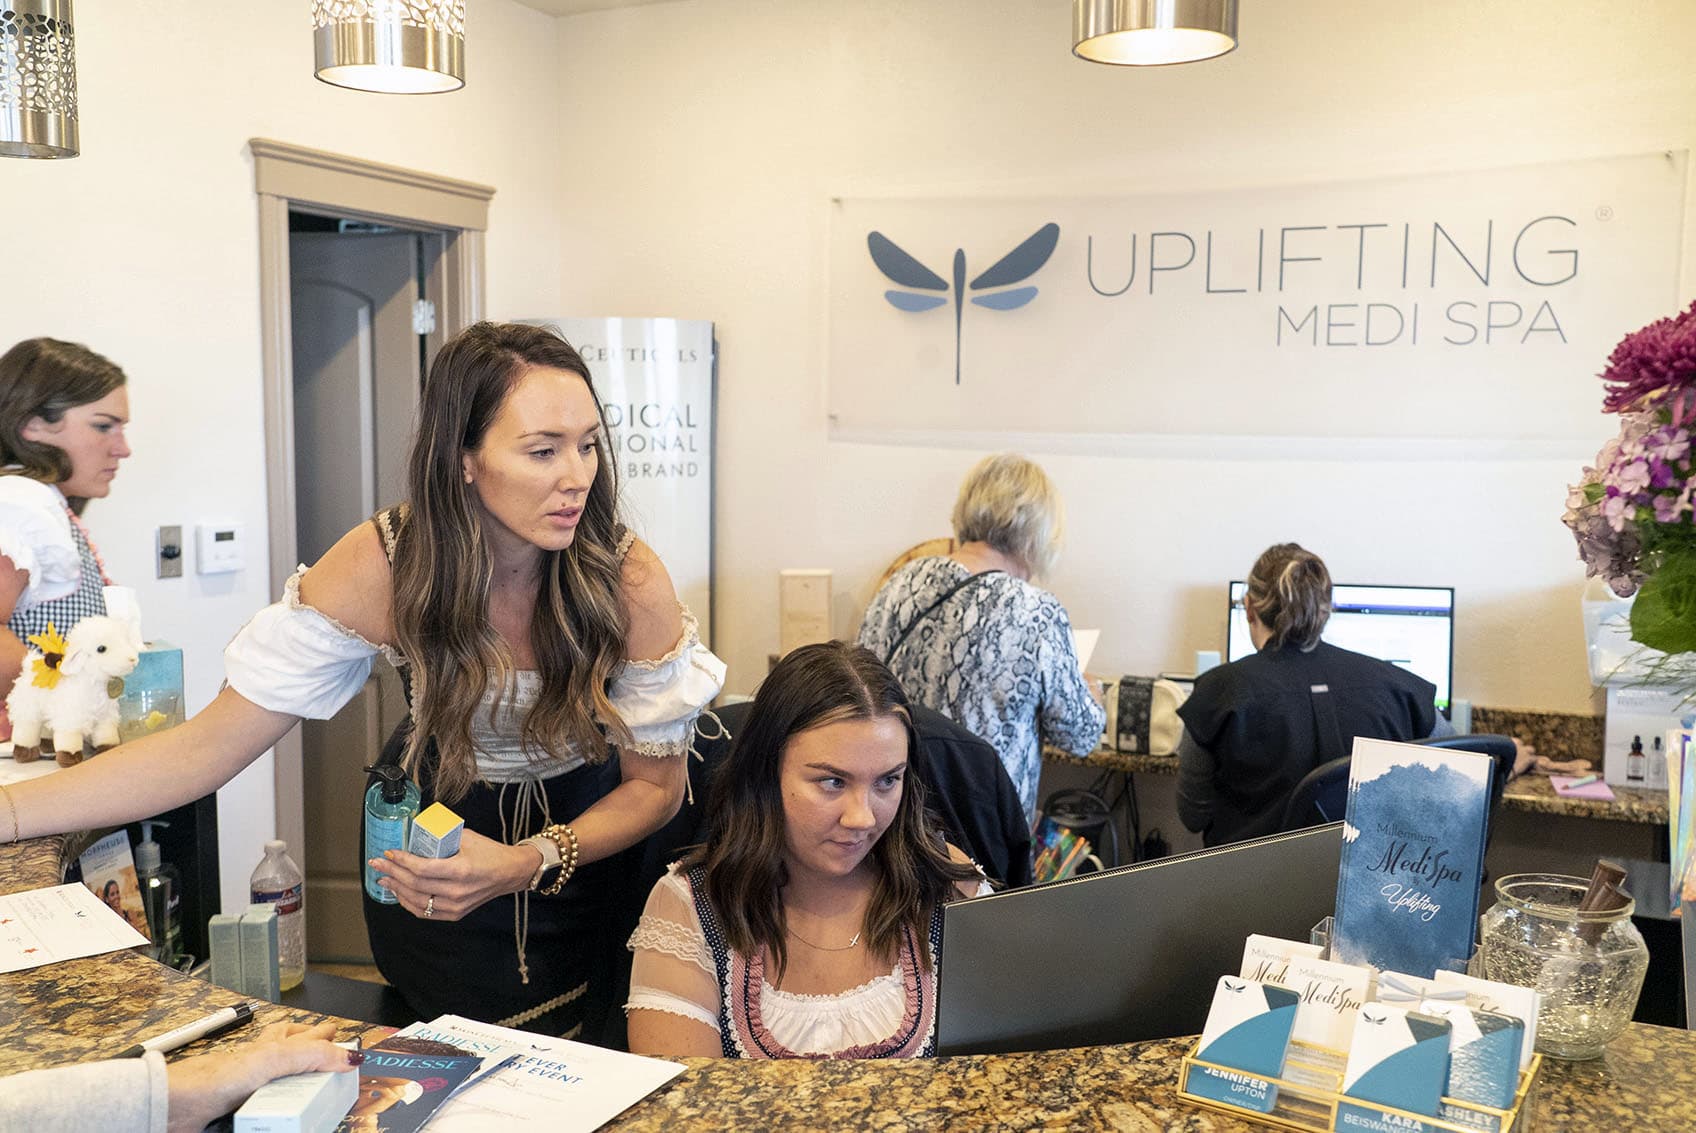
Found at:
<point>356,382</point>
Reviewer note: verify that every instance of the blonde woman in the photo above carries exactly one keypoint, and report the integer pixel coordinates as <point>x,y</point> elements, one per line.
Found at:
<point>554,681</point>
<point>971,635</point>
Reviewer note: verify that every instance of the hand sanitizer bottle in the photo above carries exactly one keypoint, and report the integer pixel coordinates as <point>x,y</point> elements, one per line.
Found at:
<point>390,806</point>
<point>278,881</point>
<point>161,896</point>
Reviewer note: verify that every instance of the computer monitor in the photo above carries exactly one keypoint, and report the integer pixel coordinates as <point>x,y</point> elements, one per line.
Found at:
<point>1127,954</point>
<point>1409,626</point>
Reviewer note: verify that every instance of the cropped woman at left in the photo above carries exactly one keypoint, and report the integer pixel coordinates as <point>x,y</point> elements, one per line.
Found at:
<point>63,409</point>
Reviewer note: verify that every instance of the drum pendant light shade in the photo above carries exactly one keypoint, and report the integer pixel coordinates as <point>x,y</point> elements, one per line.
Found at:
<point>38,79</point>
<point>1153,32</point>
<point>390,46</point>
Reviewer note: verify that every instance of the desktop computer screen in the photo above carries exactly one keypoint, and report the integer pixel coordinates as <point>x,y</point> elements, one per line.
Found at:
<point>1409,626</point>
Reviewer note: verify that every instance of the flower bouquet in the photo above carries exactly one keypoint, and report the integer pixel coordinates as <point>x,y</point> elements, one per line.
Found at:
<point>1634,511</point>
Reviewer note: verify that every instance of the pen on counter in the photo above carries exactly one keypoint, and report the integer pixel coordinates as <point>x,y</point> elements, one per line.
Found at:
<point>213,1024</point>
<point>1582,781</point>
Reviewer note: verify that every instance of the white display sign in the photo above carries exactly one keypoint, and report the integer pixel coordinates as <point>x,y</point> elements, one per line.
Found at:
<point>655,381</point>
<point>1456,305</point>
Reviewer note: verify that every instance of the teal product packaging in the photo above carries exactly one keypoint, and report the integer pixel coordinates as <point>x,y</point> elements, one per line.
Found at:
<point>1247,1032</point>
<point>152,697</point>
<point>391,804</point>
<point>259,953</point>
<point>223,933</point>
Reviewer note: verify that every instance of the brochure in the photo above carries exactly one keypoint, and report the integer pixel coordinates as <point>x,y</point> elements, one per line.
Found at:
<point>64,922</point>
<point>108,869</point>
<point>560,1085</point>
<point>399,1091</point>
<point>1413,857</point>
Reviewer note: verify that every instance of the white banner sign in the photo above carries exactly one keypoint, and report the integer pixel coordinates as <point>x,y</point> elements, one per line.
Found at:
<point>655,381</point>
<point>1460,305</point>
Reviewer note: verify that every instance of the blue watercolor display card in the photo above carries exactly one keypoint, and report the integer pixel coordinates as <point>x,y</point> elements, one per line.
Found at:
<point>1413,856</point>
<point>1398,1059</point>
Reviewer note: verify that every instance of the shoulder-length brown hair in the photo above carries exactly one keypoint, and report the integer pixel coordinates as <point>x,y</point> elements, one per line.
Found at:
<point>443,568</point>
<point>743,853</point>
<point>43,377</point>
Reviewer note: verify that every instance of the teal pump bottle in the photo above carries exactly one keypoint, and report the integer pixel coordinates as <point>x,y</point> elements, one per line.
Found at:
<point>390,806</point>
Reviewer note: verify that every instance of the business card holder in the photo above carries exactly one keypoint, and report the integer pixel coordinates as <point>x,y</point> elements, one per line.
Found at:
<point>1309,1097</point>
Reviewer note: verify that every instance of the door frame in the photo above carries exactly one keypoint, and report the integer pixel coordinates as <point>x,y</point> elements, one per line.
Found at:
<point>295,177</point>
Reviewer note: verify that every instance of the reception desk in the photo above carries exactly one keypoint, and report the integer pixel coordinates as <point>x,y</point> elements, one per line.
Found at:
<point>89,1009</point>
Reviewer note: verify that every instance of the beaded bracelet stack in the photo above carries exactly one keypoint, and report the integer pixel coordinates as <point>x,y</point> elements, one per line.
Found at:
<point>565,840</point>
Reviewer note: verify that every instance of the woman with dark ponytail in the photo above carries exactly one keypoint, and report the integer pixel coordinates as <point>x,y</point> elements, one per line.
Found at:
<point>1254,727</point>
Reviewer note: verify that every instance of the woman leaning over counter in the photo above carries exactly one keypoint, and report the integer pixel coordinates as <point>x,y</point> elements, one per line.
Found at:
<point>531,629</point>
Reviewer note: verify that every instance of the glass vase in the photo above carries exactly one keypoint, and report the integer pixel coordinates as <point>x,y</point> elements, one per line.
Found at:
<point>1589,966</point>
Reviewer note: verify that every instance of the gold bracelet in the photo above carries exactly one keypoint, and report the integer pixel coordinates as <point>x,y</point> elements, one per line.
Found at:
<point>13,807</point>
<point>559,835</point>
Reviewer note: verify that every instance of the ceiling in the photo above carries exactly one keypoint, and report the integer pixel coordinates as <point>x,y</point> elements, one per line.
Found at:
<point>572,7</point>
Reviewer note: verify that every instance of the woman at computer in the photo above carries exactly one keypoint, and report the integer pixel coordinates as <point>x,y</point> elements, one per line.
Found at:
<point>1254,727</point>
<point>808,922</point>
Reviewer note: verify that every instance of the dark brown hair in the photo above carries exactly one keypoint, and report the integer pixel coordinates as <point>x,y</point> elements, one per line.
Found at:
<point>443,569</point>
<point>1290,590</point>
<point>743,853</point>
<point>43,377</point>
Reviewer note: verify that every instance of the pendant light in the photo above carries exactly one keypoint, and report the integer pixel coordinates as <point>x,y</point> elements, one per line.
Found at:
<point>1150,33</point>
<point>38,79</point>
<point>390,46</point>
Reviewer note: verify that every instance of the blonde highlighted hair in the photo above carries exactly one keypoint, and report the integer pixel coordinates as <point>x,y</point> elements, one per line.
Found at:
<point>1290,590</point>
<point>1010,503</point>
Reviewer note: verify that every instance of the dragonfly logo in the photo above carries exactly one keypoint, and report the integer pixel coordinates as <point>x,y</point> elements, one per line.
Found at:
<point>996,282</point>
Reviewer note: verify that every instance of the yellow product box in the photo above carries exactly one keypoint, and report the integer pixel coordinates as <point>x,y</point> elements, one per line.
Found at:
<point>435,833</point>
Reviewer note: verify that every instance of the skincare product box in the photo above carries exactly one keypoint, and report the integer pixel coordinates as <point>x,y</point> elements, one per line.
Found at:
<point>435,833</point>
<point>223,933</point>
<point>300,1103</point>
<point>259,952</point>
<point>1248,1034</point>
<point>1399,1058</point>
<point>1413,856</point>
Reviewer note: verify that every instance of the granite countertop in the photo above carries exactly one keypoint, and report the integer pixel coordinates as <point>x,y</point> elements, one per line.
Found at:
<point>1646,1081</point>
<point>87,1009</point>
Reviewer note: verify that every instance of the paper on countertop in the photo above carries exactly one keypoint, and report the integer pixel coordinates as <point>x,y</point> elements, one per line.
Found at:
<point>64,922</point>
<point>12,771</point>
<point>1593,790</point>
<point>1083,644</point>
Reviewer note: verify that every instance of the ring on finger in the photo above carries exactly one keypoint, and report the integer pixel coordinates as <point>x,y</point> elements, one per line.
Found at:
<point>430,906</point>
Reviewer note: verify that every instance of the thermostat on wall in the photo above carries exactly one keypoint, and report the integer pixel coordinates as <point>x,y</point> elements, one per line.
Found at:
<point>219,547</point>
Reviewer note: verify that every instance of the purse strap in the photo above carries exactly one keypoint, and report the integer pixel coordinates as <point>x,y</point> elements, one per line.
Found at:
<point>935,606</point>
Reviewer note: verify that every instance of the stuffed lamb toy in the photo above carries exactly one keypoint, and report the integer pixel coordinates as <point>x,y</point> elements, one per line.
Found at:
<point>67,687</point>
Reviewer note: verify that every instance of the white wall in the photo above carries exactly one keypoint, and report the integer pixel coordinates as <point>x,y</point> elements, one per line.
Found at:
<point>705,139</point>
<point>146,249</point>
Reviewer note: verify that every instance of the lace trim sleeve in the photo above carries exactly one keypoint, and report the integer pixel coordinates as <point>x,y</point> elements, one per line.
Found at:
<point>660,700</point>
<point>669,938</point>
<point>292,599</point>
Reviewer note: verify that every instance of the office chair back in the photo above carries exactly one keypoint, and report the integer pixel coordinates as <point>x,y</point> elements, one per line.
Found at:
<point>1323,793</point>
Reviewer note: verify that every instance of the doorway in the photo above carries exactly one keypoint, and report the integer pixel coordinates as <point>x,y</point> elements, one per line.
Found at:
<point>359,337</point>
<point>384,265</point>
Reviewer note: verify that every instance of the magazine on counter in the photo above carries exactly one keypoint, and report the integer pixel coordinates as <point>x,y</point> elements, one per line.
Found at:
<point>560,1085</point>
<point>400,1090</point>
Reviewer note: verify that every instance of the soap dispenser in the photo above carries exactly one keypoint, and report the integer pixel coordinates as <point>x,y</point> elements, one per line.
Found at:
<point>161,896</point>
<point>390,806</point>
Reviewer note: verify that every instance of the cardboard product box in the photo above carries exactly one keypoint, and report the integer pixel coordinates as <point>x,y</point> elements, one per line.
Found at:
<point>1634,741</point>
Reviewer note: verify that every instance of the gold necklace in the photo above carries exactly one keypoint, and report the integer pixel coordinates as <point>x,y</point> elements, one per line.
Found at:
<point>821,947</point>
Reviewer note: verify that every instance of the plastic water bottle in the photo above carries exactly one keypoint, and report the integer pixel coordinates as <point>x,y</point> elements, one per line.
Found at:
<point>278,881</point>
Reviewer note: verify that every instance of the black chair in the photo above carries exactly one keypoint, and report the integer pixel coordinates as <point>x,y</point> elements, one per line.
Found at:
<point>1322,795</point>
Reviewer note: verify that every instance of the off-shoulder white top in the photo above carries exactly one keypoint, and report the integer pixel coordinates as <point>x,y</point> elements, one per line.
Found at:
<point>35,533</point>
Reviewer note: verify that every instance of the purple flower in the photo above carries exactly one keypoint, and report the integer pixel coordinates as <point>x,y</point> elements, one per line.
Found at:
<point>1669,508</point>
<point>1633,478</point>
<point>1655,366</point>
<point>1616,510</point>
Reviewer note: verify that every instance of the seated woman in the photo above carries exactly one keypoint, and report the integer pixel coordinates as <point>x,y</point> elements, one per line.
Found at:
<point>807,925</point>
<point>970,636</point>
<point>1254,727</point>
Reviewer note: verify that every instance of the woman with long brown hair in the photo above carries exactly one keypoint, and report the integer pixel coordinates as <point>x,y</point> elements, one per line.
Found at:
<point>537,638</point>
<point>807,925</point>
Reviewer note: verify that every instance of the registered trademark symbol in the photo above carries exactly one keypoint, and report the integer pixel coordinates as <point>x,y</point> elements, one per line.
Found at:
<point>1604,212</point>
